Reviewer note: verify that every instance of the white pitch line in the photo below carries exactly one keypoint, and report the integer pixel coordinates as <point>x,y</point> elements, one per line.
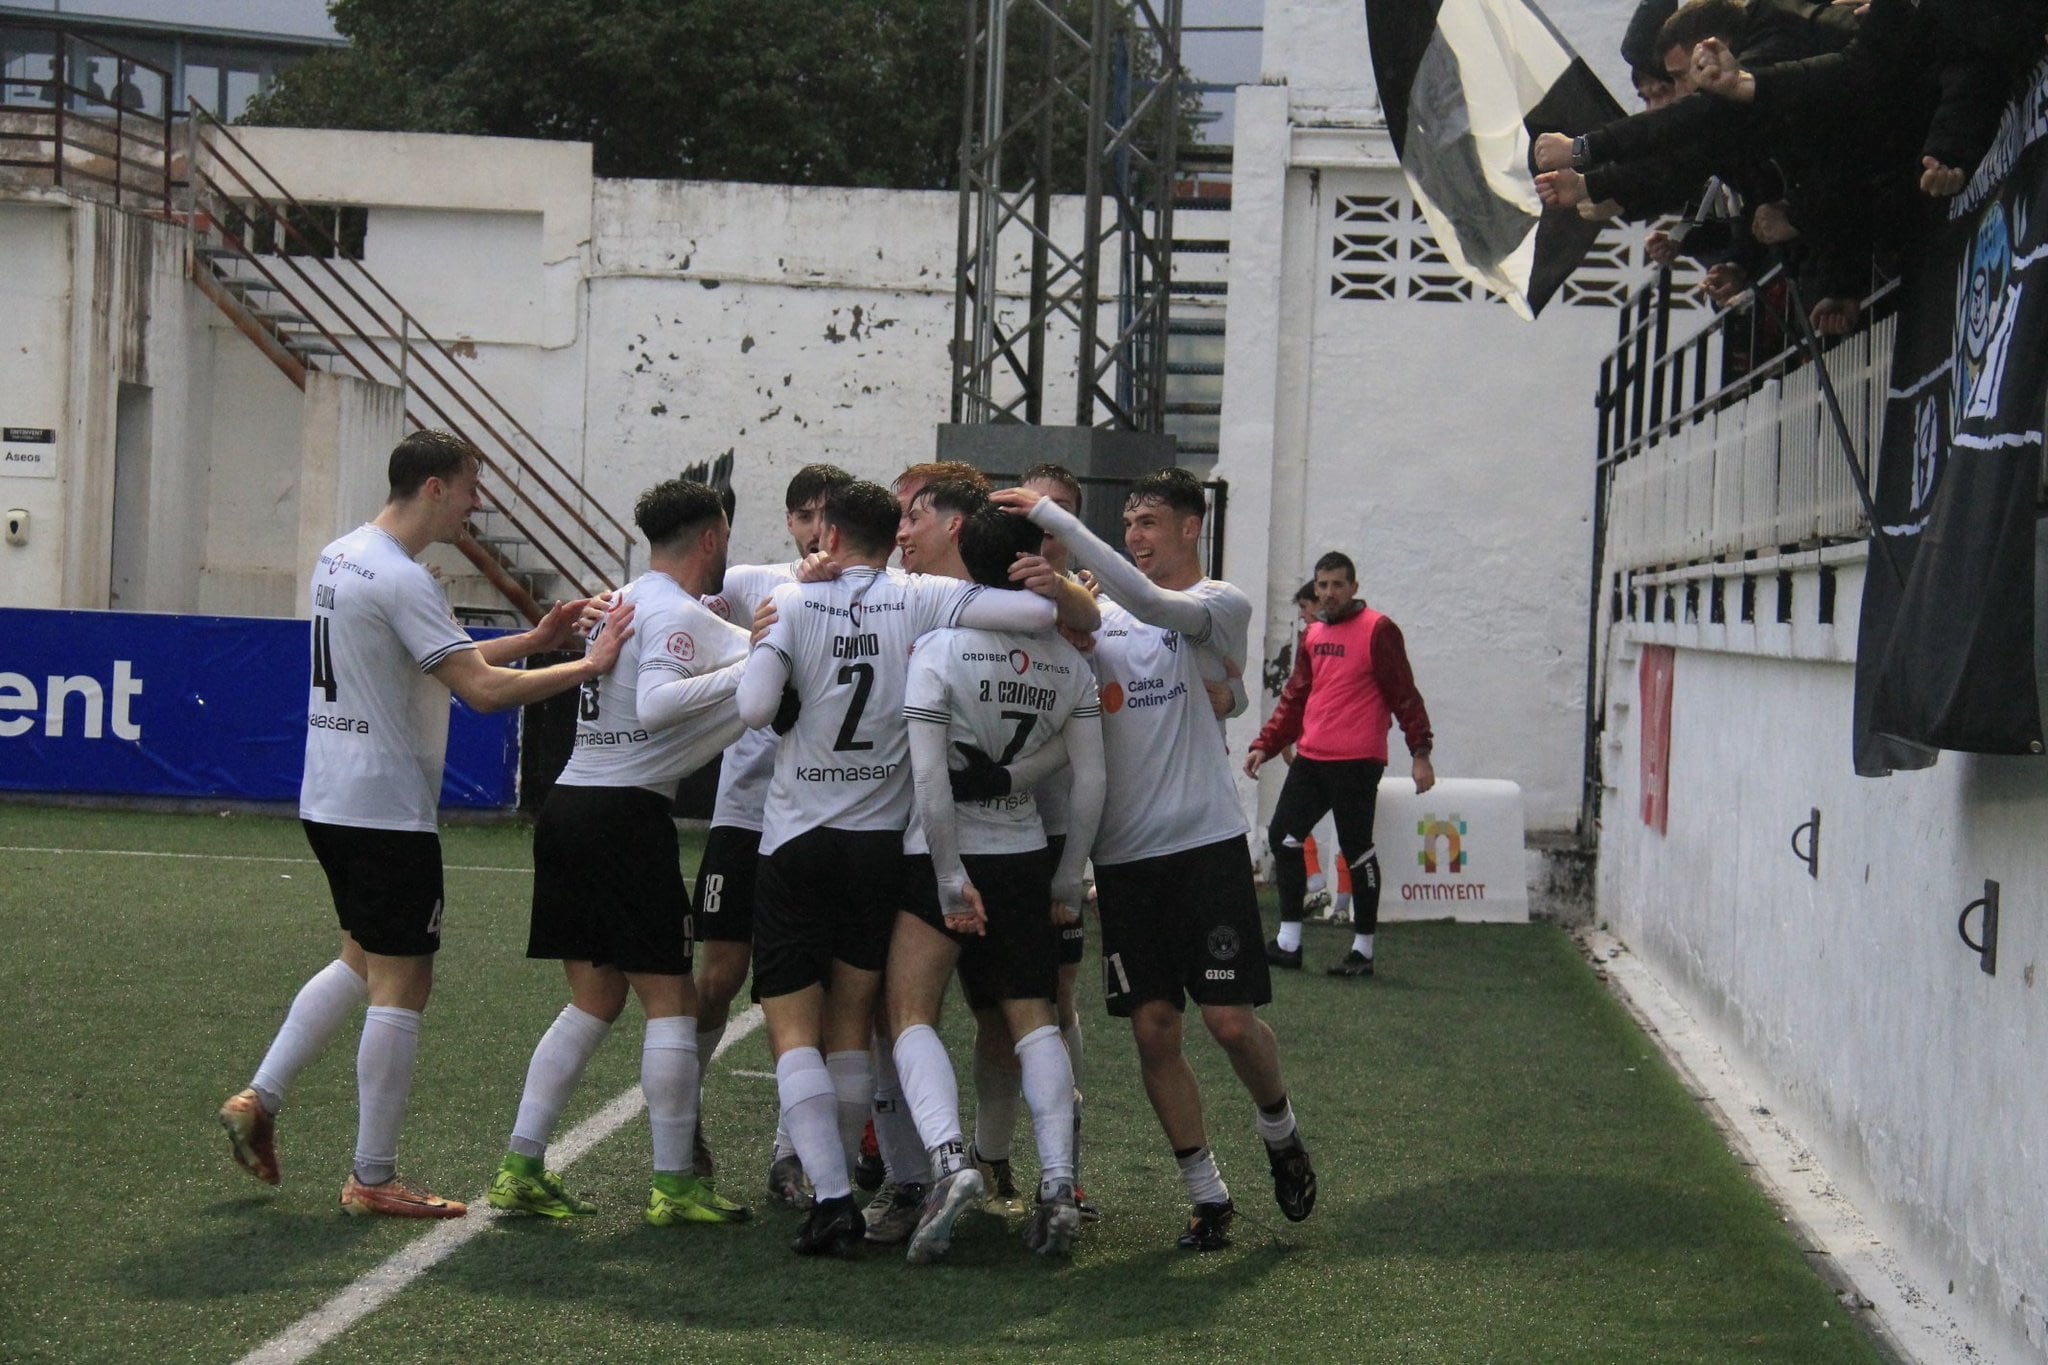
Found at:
<point>224,857</point>
<point>300,1340</point>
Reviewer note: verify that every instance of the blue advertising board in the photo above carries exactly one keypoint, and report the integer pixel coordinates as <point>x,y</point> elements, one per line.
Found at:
<point>140,704</point>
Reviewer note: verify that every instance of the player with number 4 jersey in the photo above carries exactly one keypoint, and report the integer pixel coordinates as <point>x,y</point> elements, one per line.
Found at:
<point>386,654</point>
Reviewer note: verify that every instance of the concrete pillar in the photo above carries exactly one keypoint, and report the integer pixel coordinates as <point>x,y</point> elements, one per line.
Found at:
<point>347,432</point>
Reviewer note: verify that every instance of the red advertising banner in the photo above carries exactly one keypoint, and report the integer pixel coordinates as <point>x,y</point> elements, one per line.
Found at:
<point>1655,675</point>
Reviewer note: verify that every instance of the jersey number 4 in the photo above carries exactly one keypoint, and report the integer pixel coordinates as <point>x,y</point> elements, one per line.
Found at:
<point>323,659</point>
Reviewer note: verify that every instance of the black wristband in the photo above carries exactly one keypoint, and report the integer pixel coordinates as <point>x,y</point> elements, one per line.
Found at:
<point>1579,157</point>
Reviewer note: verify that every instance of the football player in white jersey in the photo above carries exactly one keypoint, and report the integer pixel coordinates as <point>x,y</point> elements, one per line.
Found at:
<point>832,864</point>
<point>386,654</point>
<point>608,895</point>
<point>1180,917</point>
<point>985,883</point>
<point>725,877</point>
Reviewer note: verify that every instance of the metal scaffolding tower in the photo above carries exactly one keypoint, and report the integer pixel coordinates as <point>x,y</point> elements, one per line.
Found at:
<point>1035,67</point>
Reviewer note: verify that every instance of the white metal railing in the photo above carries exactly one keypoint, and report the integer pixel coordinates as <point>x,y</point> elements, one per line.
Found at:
<point>1752,467</point>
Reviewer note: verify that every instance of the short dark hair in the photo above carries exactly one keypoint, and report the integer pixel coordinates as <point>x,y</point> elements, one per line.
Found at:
<point>865,513</point>
<point>811,483</point>
<point>428,454</point>
<point>1175,487</point>
<point>1053,473</point>
<point>1306,592</point>
<point>676,509</point>
<point>953,497</point>
<point>1699,20</point>
<point>1334,561</point>
<point>936,470</point>
<point>990,541</point>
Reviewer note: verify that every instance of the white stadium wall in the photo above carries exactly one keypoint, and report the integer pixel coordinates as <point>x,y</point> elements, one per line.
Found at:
<point>1373,405</point>
<point>1863,1019</point>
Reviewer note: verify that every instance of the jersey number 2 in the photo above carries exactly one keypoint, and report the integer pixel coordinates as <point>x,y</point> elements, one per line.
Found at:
<point>862,676</point>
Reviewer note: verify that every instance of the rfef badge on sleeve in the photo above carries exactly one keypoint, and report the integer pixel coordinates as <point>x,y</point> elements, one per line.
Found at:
<point>28,452</point>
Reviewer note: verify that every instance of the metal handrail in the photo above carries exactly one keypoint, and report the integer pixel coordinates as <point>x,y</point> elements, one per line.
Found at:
<point>124,127</point>
<point>320,246</point>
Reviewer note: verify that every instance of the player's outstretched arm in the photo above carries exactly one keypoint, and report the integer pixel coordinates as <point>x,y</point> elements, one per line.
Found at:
<point>1078,612</point>
<point>957,896</point>
<point>1083,736</point>
<point>661,703</point>
<point>1120,578</point>
<point>486,687</point>
<point>561,628</point>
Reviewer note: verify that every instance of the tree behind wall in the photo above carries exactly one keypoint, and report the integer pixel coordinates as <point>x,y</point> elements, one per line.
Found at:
<point>805,92</point>
<point>796,92</point>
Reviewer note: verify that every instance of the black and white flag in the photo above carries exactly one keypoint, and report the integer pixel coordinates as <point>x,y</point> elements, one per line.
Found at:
<point>1467,85</point>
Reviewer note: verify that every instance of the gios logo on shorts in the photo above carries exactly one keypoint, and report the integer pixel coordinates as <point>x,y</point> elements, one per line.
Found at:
<point>1224,944</point>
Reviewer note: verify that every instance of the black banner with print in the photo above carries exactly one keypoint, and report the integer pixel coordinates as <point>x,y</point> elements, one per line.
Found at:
<point>1945,658</point>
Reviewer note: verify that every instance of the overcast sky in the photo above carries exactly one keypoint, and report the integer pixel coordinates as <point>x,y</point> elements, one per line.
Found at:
<point>303,18</point>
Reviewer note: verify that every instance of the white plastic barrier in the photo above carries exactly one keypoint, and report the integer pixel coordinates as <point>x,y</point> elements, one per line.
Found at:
<point>1454,852</point>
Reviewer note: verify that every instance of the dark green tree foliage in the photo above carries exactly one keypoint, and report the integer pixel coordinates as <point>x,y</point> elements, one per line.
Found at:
<point>807,92</point>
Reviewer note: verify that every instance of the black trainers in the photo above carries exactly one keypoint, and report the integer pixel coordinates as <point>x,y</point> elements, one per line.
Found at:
<point>1282,957</point>
<point>1208,1227</point>
<point>1355,963</point>
<point>834,1228</point>
<point>1294,1179</point>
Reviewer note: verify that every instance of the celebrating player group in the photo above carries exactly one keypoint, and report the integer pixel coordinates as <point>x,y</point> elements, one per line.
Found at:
<point>916,768</point>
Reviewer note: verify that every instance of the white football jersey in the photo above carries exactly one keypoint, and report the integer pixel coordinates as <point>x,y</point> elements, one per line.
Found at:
<point>376,719</point>
<point>1007,694</point>
<point>1170,782</point>
<point>674,636</point>
<point>750,763</point>
<point>846,643</point>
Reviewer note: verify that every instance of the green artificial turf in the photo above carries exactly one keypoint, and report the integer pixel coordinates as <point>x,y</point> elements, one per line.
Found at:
<point>1508,1170</point>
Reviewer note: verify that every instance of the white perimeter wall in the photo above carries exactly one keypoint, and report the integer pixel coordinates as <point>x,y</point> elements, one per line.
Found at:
<point>1862,1017</point>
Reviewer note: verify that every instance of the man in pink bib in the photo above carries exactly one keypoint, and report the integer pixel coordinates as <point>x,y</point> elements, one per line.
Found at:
<point>1351,682</point>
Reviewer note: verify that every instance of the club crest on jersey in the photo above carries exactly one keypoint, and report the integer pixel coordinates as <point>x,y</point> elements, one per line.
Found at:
<point>1224,944</point>
<point>681,647</point>
<point>1020,662</point>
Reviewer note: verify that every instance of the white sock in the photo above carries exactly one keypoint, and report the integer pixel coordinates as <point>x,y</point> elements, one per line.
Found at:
<point>809,1111</point>
<point>669,1075</point>
<point>1071,1036</point>
<point>1198,1172</point>
<point>1362,944</point>
<point>1315,883</point>
<point>929,1085</point>
<point>1342,905</point>
<point>551,1077</point>
<point>391,1040</point>
<point>1049,1092</point>
<point>895,1130</point>
<point>783,1145</point>
<point>327,1001</point>
<point>1276,1129</point>
<point>853,1081</point>
<point>1289,937</point>
<point>998,1099</point>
